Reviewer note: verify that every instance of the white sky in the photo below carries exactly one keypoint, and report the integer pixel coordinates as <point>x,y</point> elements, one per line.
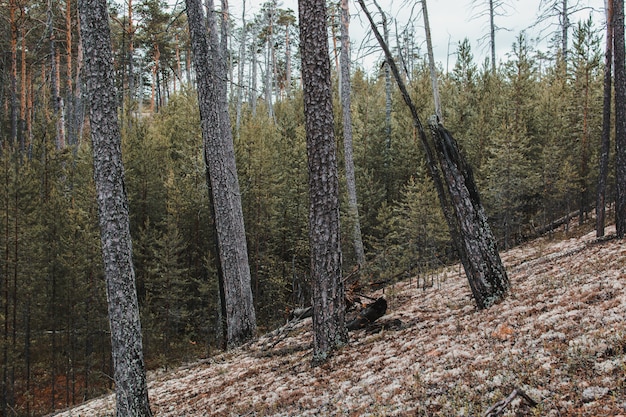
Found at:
<point>451,21</point>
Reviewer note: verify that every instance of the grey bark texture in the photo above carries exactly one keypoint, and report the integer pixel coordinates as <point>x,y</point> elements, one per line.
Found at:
<point>620,118</point>
<point>347,133</point>
<point>219,155</point>
<point>130,375</point>
<point>605,144</point>
<point>329,331</point>
<point>485,271</point>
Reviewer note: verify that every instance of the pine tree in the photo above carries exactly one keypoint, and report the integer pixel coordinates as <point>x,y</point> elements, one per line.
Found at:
<point>130,374</point>
<point>222,177</point>
<point>329,331</point>
<point>620,119</point>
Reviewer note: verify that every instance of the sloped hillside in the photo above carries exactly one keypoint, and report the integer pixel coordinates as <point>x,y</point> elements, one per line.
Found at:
<point>560,336</point>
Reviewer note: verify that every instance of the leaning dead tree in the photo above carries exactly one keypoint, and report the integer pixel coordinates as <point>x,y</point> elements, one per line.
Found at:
<point>454,182</point>
<point>480,257</point>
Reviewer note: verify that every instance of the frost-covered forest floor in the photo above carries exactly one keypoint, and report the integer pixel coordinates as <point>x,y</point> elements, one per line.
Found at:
<point>560,336</point>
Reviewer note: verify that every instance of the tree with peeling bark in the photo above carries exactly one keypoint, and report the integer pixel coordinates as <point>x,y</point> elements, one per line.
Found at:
<point>329,330</point>
<point>467,221</point>
<point>131,390</point>
<point>222,180</point>
<point>347,133</point>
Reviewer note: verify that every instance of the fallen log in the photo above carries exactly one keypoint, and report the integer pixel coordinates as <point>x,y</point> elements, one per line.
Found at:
<point>369,314</point>
<point>301,313</point>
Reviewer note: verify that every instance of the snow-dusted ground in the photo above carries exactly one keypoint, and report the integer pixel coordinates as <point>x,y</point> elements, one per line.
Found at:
<point>560,336</point>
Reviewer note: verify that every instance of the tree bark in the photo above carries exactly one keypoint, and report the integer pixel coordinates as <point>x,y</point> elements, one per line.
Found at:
<point>126,342</point>
<point>620,119</point>
<point>329,331</point>
<point>369,314</point>
<point>487,275</point>
<point>219,155</point>
<point>606,125</point>
<point>347,133</point>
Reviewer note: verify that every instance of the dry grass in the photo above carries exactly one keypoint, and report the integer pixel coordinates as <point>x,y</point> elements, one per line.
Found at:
<point>560,336</point>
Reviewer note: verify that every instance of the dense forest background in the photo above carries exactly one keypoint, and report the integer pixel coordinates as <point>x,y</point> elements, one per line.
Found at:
<point>530,128</point>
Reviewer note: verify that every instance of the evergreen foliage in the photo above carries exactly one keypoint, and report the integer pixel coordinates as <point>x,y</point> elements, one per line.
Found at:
<point>530,130</point>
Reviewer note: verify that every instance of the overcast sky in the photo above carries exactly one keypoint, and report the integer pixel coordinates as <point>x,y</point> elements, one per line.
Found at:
<point>451,21</point>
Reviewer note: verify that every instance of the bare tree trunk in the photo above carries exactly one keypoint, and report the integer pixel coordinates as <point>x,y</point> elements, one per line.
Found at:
<point>126,341</point>
<point>13,77</point>
<point>287,61</point>
<point>431,62</point>
<point>487,277</point>
<point>219,157</point>
<point>564,30</point>
<point>606,124</point>
<point>70,90</point>
<point>347,133</point>
<point>492,34</point>
<point>78,97</point>
<point>478,254</point>
<point>620,119</point>
<point>329,330</point>
<point>23,94</point>
<point>254,75</point>
<point>387,81</point>
<point>57,101</point>
<point>242,57</point>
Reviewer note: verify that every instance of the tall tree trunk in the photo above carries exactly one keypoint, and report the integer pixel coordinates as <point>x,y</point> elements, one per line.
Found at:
<point>606,125</point>
<point>57,101</point>
<point>347,133</point>
<point>387,156</point>
<point>126,342</point>
<point>13,77</point>
<point>253,76</point>
<point>329,330</point>
<point>431,62</point>
<point>469,230</point>
<point>620,119</point>
<point>492,34</point>
<point>287,61</point>
<point>222,174</point>
<point>269,71</point>
<point>68,66</point>
<point>487,277</point>
<point>387,86</point>
<point>23,94</point>
<point>79,106</point>
<point>564,29</point>
<point>242,57</point>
